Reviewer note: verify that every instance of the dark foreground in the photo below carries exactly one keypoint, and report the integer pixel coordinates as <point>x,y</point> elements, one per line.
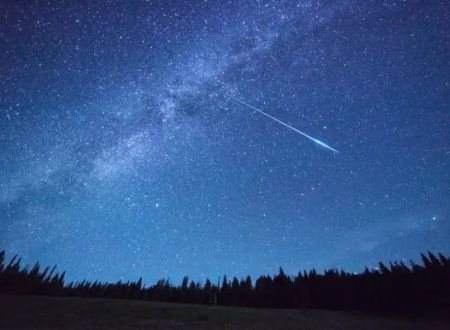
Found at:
<point>33,312</point>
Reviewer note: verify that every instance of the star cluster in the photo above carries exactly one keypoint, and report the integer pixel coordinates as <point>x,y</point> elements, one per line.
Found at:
<point>122,153</point>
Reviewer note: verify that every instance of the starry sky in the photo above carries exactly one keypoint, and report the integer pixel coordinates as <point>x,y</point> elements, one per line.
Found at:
<point>124,151</point>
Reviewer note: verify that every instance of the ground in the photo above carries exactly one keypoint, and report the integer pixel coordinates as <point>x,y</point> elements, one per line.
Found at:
<point>32,312</point>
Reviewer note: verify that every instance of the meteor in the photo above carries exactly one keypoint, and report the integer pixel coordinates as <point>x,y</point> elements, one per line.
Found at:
<point>320,143</point>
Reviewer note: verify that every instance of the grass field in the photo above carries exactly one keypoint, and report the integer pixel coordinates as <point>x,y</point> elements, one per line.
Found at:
<point>32,312</point>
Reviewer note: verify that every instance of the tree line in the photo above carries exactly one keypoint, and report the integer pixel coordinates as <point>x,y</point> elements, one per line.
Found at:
<point>396,287</point>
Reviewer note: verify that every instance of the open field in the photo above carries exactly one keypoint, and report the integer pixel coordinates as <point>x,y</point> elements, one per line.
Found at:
<point>32,312</point>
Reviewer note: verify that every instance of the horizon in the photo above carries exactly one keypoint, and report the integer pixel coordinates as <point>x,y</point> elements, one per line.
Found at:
<point>200,138</point>
<point>428,255</point>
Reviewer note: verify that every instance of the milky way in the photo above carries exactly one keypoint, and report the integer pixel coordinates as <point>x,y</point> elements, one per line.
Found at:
<point>122,154</point>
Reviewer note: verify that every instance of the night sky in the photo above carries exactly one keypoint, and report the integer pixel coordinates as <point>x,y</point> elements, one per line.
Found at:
<point>127,148</point>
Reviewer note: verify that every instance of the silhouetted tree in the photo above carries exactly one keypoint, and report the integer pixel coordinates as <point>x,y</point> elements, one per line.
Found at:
<point>397,287</point>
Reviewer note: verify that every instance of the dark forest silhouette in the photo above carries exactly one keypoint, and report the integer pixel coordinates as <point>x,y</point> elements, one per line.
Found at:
<point>396,287</point>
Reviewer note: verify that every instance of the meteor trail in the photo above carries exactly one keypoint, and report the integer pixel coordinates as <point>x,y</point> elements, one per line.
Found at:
<point>320,143</point>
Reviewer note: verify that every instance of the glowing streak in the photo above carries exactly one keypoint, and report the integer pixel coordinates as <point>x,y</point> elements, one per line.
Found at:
<point>322,144</point>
